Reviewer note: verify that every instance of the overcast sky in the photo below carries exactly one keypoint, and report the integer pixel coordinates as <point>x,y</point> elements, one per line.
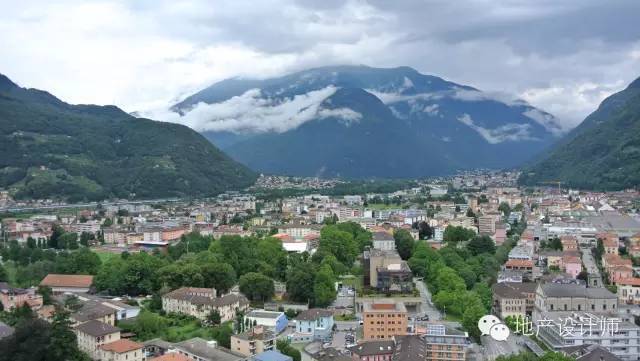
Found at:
<point>563,56</point>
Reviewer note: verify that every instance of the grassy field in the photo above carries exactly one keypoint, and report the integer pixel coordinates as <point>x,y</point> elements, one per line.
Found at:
<point>106,256</point>
<point>353,282</point>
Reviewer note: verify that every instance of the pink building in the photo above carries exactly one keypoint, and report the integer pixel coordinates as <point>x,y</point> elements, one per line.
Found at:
<point>16,297</point>
<point>572,265</point>
<point>618,273</point>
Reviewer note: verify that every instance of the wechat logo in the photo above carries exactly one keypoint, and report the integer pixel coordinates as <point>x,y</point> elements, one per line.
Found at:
<point>492,326</point>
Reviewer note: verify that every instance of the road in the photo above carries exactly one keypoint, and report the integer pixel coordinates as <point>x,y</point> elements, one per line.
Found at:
<point>427,307</point>
<point>492,348</point>
<point>589,262</point>
<point>346,325</point>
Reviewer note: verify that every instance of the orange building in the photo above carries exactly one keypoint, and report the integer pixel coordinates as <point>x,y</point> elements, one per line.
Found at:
<point>172,233</point>
<point>384,320</point>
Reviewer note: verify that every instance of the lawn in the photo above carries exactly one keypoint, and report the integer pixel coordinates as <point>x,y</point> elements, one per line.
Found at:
<point>173,328</point>
<point>106,256</point>
<point>354,282</point>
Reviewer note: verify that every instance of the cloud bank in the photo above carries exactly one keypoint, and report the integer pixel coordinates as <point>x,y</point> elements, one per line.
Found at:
<point>560,56</point>
<point>251,112</point>
<point>510,132</point>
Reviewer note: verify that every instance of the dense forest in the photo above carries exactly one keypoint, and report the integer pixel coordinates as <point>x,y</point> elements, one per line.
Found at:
<point>602,153</point>
<point>51,149</point>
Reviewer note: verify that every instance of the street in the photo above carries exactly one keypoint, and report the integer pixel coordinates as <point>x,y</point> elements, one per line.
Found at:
<point>589,262</point>
<point>427,308</point>
<point>492,348</point>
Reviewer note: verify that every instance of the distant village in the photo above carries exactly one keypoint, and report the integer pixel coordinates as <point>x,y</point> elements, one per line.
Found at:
<point>558,253</point>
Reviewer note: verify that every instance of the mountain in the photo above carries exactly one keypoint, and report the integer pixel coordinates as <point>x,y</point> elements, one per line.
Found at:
<point>602,153</point>
<point>358,121</point>
<point>51,149</point>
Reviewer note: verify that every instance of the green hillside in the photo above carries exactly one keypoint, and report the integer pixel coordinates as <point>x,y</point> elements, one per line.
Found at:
<point>603,153</point>
<point>51,149</point>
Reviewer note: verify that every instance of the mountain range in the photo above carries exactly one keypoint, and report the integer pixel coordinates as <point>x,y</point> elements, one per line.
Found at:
<point>602,153</point>
<point>51,149</point>
<point>359,122</point>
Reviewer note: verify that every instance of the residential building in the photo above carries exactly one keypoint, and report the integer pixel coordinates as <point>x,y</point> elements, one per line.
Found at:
<point>487,224</point>
<point>93,334</point>
<point>385,270</point>
<point>513,299</point>
<point>384,241</point>
<point>443,343</point>
<point>379,350</point>
<point>122,350</point>
<point>196,349</point>
<point>93,311</point>
<point>525,266</point>
<point>569,243</point>
<point>313,324</point>
<point>572,265</point>
<point>622,340</point>
<point>272,320</point>
<point>383,320</point>
<point>439,343</point>
<point>254,341</point>
<point>67,283</point>
<point>12,297</point>
<point>170,356</point>
<point>200,302</point>
<point>629,290</point>
<point>270,356</point>
<point>589,352</point>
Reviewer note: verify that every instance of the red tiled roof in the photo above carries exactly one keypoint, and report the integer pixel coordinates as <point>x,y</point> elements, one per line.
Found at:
<point>78,281</point>
<point>519,263</point>
<point>121,346</point>
<point>173,356</point>
<point>635,281</point>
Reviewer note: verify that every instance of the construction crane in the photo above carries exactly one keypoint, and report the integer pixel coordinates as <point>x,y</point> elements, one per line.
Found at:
<point>559,183</point>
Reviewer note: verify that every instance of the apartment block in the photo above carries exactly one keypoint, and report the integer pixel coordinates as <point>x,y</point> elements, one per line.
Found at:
<point>384,320</point>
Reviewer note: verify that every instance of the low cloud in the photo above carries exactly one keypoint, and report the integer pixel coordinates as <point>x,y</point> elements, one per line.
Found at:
<point>251,112</point>
<point>510,132</point>
<point>546,120</point>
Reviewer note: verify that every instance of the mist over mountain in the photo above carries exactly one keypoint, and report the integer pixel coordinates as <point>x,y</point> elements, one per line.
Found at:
<point>358,121</point>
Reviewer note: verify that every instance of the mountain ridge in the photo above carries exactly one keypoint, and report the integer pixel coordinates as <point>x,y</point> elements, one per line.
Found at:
<point>448,126</point>
<point>52,149</point>
<point>602,153</point>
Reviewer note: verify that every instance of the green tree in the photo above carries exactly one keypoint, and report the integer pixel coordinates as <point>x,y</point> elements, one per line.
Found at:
<point>481,244</point>
<point>324,287</point>
<point>72,303</point>
<point>56,232</point>
<point>470,319</point>
<point>504,208</point>
<point>220,276</point>
<point>3,274</point>
<point>63,345</point>
<point>456,234</point>
<point>214,317</point>
<point>256,286</point>
<point>299,278</point>
<point>46,294</point>
<point>339,243</point>
<point>286,349</point>
<point>404,243</point>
